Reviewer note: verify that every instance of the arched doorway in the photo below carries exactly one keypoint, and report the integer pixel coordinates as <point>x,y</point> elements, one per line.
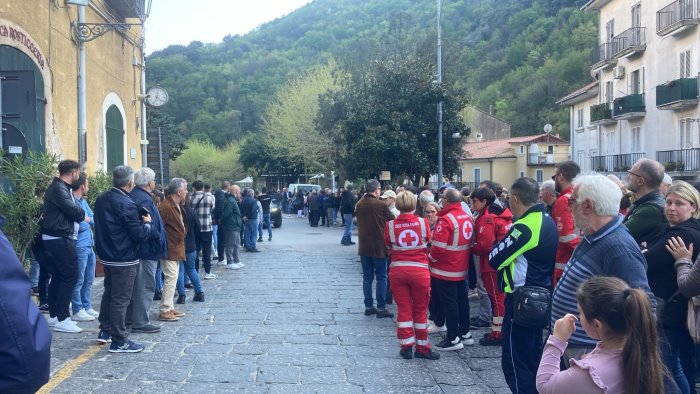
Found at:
<point>114,131</point>
<point>23,102</point>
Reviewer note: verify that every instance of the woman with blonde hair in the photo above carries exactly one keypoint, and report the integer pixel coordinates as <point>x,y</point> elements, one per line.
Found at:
<point>430,212</point>
<point>626,358</point>
<point>406,239</point>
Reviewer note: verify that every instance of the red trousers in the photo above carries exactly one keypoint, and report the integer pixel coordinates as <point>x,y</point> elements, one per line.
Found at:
<point>498,299</point>
<point>411,290</point>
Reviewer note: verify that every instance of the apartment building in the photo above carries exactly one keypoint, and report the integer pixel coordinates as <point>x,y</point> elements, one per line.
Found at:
<point>643,101</point>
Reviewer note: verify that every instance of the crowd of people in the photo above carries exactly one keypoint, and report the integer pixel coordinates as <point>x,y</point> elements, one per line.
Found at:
<point>150,243</point>
<point>604,266</point>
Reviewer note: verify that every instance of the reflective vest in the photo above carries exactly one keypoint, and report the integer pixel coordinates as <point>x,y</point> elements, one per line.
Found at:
<point>406,239</point>
<point>449,253</point>
<point>568,235</point>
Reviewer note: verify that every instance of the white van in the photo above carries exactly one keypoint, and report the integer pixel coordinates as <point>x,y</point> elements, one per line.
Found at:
<point>304,187</point>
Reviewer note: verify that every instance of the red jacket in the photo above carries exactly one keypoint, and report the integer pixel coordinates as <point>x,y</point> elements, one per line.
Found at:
<point>568,236</point>
<point>406,239</point>
<point>449,253</point>
<point>491,225</point>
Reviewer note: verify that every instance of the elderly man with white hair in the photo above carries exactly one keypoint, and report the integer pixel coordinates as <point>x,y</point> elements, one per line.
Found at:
<point>424,198</point>
<point>665,184</point>
<point>548,195</point>
<point>606,249</point>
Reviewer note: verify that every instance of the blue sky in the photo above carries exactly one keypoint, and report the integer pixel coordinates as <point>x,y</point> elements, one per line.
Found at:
<point>183,21</point>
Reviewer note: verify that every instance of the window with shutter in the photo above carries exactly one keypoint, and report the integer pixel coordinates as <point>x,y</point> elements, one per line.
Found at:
<point>115,137</point>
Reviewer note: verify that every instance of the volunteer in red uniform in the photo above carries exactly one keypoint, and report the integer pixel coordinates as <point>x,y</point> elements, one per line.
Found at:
<point>406,239</point>
<point>564,174</point>
<point>492,224</point>
<point>449,263</point>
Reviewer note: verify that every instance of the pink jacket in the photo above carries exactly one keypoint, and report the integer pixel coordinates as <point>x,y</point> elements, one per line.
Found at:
<point>599,371</point>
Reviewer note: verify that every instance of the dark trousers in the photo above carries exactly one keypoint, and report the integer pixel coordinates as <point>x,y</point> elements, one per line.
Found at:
<point>204,248</point>
<point>452,306</point>
<point>63,265</point>
<point>521,353</point>
<point>119,287</point>
<point>220,249</point>
<point>314,216</point>
<point>44,275</point>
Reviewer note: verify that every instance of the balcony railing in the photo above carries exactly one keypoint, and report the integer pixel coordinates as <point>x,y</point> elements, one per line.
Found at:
<point>602,114</point>
<point>678,94</point>
<point>629,107</point>
<point>680,159</point>
<point>603,56</point>
<point>630,41</point>
<point>676,16</point>
<point>545,159</point>
<point>615,163</point>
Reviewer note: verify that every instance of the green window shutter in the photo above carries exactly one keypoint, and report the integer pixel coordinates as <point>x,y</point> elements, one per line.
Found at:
<point>115,138</point>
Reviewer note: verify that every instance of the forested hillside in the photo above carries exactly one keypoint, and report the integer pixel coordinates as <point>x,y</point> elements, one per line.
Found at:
<point>515,57</point>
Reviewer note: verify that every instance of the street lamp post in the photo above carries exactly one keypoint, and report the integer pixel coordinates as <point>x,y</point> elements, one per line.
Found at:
<point>439,82</point>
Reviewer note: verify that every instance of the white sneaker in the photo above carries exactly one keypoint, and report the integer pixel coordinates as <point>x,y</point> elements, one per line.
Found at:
<point>221,263</point>
<point>467,339</point>
<point>240,265</point>
<point>210,276</point>
<point>233,266</point>
<point>52,321</point>
<point>67,326</point>
<point>93,312</point>
<point>432,328</point>
<point>82,315</point>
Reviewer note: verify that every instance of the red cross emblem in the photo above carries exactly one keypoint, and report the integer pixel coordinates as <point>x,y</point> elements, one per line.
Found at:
<point>467,230</point>
<point>408,238</point>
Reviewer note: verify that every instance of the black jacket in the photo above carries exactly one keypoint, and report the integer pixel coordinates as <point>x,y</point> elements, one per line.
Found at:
<point>60,210</point>
<point>347,203</point>
<point>192,230</point>
<point>119,231</point>
<point>154,249</point>
<point>219,199</point>
<point>662,274</point>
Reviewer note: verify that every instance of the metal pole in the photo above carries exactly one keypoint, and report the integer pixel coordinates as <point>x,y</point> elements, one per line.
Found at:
<point>160,156</point>
<point>82,105</point>
<point>144,134</point>
<point>439,81</point>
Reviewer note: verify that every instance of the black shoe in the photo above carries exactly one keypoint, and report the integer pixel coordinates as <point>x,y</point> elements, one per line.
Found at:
<point>157,296</point>
<point>350,242</point>
<point>345,242</point>
<point>476,323</point>
<point>384,313</point>
<point>44,308</point>
<point>180,299</point>
<point>447,344</point>
<point>147,329</point>
<point>269,239</point>
<point>188,285</point>
<point>254,250</point>
<point>370,311</point>
<point>199,297</point>
<point>406,353</point>
<point>260,239</point>
<point>428,356</point>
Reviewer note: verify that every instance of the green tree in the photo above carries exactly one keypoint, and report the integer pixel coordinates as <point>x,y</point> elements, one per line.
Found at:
<point>206,161</point>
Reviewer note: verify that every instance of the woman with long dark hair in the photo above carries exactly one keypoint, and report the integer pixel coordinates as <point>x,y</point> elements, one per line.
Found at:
<point>626,358</point>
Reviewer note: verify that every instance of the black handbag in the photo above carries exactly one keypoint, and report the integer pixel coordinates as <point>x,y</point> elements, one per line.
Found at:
<point>532,306</point>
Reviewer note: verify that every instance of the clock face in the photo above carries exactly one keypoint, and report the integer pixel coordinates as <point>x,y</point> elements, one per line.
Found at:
<point>157,97</point>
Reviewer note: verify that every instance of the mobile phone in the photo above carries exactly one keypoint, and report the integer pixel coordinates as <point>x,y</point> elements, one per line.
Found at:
<point>144,212</point>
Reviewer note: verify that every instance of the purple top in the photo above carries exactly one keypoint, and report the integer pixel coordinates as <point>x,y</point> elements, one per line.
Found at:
<point>599,371</point>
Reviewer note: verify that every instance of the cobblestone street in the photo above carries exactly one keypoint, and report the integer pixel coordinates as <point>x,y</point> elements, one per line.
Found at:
<point>290,321</point>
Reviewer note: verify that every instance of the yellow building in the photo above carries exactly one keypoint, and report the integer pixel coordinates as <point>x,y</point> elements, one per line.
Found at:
<point>42,106</point>
<point>505,160</point>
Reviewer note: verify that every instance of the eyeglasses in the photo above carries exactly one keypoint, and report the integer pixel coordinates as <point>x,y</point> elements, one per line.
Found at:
<point>555,175</point>
<point>635,174</point>
<point>572,201</point>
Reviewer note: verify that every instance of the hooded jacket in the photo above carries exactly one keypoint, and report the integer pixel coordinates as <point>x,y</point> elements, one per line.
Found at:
<point>662,274</point>
<point>491,225</point>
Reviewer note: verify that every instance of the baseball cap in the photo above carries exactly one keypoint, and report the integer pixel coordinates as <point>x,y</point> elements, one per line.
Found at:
<point>388,194</point>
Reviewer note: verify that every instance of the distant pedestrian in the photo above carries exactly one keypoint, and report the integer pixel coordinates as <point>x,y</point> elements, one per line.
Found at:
<point>249,210</point>
<point>312,200</point>
<point>265,201</point>
<point>231,223</point>
<point>187,266</point>
<point>347,210</point>
<point>372,215</point>
<point>119,231</point>
<point>203,203</point>
<point>219,198</point>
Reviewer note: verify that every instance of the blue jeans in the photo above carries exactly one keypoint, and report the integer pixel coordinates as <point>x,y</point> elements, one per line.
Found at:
<point>187,267</point>
<point>86,275</point>
<point>348,226</point>
<point>250,234</point>
<point>214,238</point>
<point>374,267</point>
<point>34,272</point>
<point>335,215</point>
<point>268,223</point>
<point>159,278</point>
<point>671,343</point>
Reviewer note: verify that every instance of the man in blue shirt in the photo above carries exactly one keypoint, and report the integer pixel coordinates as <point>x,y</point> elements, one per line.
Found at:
<point>249,210</point>
<point>81,304</point>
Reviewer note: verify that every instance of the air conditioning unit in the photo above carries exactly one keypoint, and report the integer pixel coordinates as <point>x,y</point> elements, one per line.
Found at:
<point>618,72</point>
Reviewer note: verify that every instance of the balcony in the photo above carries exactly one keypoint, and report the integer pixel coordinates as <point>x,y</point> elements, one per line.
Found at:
<point>601,114</point>
<point>602,57</point>
<point>546,158</point>
<point>677,17</point>
<point>615,163</point>
<point>679,160</point>
<point>629,107</point>
<point>678,94</point>
<point>630,42</point>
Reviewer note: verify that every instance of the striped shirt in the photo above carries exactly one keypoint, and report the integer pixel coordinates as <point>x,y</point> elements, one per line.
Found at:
<point>610,251</point>
<point>203,205</point>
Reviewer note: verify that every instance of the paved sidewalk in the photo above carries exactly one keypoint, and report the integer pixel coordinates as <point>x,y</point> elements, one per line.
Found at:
<point>290,321</point>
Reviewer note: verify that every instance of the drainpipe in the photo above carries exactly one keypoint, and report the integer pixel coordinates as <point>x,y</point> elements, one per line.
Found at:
<point>82,114</point>
<point>144,135</point>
